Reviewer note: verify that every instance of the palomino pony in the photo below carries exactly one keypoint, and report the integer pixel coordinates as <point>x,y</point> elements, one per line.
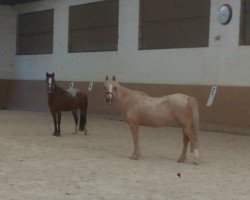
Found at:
<point>66,100</point>
<point>139,109</point>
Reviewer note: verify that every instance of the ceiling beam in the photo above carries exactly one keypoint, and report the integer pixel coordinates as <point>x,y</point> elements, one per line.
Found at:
<point>13,2</point>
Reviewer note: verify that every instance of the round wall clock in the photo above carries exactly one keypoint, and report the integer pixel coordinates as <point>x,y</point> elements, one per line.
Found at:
<point>225,13</point>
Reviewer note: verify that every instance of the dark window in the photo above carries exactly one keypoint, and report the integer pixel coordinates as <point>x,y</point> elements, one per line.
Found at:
<point>245,23</point>
<point>174,24</point>
<point>35,33</point>
<point>94,26</point>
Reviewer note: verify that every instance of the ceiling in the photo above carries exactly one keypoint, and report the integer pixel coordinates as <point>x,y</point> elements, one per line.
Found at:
<point>13,2</point>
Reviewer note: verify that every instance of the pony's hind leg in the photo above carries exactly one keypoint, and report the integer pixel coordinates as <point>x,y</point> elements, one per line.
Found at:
<point>194,143</point>
<point>74,112</point>
<point>183,156</point>
<point>59,124</point>
<point>86,130</point>
<point>83,123</point>
<point>83,114</point>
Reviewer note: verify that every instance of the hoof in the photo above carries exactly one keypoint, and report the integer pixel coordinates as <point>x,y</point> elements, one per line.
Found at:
<point>85,133</point>
<point>196,162</point>
<point>181,160</point>
<point>196,157</point>
<point>57,134</point>
<point>135,156</point>
<point>76,131</point>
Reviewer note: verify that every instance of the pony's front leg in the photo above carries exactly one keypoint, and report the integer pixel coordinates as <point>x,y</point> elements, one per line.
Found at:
<point>55,123</point>
<point>134,129</point>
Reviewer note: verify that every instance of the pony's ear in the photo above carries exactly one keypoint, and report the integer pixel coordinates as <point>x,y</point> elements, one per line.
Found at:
<point>114,79</point>
<point>53,74</point>
<point>47,74</point>
<point>107,78</point>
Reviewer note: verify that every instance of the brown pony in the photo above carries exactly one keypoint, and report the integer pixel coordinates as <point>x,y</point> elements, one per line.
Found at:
<point>139,109</point>
<point>66,100</point>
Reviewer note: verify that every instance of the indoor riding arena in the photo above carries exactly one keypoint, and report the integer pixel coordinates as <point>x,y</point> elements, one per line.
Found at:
<point>175,71</point>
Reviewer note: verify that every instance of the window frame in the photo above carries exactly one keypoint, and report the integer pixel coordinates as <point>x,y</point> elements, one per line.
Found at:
<point>115,25</point>
<point>141,46</point>
<point>242,35</point>
<point>50,32</point>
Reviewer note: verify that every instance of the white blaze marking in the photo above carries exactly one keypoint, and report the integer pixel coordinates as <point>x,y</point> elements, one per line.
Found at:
<point>50,81</point>
<point>110,89</point>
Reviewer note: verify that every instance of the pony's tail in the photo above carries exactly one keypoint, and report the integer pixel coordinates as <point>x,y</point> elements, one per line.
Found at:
<point>195,117</point>
<point>83,113</point>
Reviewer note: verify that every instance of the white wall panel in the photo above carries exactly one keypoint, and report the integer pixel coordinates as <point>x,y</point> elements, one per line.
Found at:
<point>224,62</point>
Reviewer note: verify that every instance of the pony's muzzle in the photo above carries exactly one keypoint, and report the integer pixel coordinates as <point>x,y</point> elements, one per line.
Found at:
<point>109,98</point>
